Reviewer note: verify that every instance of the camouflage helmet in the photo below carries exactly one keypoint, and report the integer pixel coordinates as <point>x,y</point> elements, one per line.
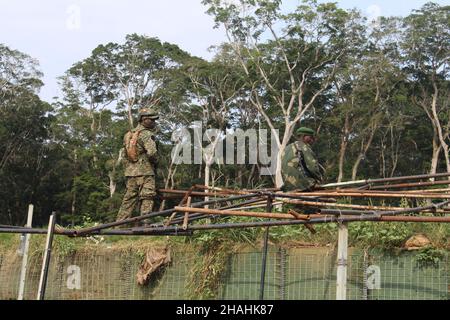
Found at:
<point>148,111</point>
<point>304,131</point>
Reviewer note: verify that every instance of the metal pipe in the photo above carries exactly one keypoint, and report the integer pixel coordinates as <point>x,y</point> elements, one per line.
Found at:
<point>347,212</point>
<point>221,190</point>
<point>236,213</point>
<point>301,197</point>
<point>412,184</point>
<point>380,195</point>
<point>153,232</point>
<point>84,231</point>
<point>325,219</point>
<point>46,260</point>
<point>369,192</point>
<point>197,216</point>
<point>132,232</point>
<point>340,205</point>
<point>415,219</point>
<point>176,231</point>
<point>8,226</point>
<point>371,181</point>
<point>233,191</point>
<point>377,216</point>
<point>194,193</point>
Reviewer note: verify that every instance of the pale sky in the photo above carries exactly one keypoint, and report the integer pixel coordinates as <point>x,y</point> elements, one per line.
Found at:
<point>61,33</point>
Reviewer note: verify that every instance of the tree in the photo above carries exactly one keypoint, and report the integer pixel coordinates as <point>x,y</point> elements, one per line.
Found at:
<point>24,137</point>
<point>18,70</point>
<point>131,73</point>
<point>289,72</point>
<point>426,46</point>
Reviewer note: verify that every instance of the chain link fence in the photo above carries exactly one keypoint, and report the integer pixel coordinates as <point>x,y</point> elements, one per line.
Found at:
<point>291,274</point>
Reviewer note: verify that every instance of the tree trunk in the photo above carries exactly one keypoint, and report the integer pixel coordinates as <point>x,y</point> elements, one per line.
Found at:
<point>435,157</point>
<point>112,183</point>
<point>169,183</point>
<point>207,173</point>
<point>278,176</point>
<point>438,127</point>
<point>363,152</point>
<point>240,173</point>
<point>343,148</point>
<point>130,117</point>
<point>250,177</point>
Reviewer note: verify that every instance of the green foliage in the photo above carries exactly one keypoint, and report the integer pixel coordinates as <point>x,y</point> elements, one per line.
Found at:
<point>208,270</point>
<point>8,240</point>
<point>386,235</point>
<point>430,257</point>
<point>64,246</point>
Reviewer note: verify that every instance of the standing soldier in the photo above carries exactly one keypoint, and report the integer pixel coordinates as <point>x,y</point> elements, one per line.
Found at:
<point>300,168</point>
<point>140,165</point>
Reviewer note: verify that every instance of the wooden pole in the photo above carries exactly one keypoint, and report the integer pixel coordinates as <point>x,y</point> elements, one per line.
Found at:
<point>186,215</point>
<point>23,270</point>
<point>341,281</point>
<point>46,260</point>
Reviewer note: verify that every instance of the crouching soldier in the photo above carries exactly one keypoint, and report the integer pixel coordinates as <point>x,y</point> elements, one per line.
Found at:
<point>299,166</point>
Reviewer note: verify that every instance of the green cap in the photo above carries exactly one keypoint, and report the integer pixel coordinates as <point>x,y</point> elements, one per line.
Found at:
<point>305,131</point>
<point>150,112</point>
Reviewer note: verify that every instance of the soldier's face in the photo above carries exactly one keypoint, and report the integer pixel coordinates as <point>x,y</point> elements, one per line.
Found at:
<point>309,139</point>
<point>148,122</point>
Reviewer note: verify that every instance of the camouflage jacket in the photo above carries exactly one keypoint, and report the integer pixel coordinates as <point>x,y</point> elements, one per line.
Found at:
<point>299,167</point>
<point>147,154</point>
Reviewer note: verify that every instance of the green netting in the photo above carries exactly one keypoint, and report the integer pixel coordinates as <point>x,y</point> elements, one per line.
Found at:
<point>291,273</point>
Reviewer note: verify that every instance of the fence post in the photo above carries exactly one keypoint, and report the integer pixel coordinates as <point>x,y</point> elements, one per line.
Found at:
<point>341,282</point>
<point>264,259</point>
<point>46,260</point>
<point>23,270</point>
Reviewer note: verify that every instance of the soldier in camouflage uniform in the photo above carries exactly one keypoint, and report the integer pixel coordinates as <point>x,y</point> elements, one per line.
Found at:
<point>140,171</point>
<point>299,165</point>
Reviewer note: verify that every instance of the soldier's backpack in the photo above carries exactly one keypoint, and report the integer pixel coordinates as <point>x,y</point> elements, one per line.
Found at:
<point>130,141</point>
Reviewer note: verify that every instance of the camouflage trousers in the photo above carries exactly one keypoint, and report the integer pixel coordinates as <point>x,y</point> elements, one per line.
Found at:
<point>140,191</point>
